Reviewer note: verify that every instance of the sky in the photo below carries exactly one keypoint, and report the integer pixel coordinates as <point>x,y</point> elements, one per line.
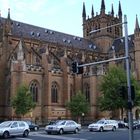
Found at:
<point>65,15</point>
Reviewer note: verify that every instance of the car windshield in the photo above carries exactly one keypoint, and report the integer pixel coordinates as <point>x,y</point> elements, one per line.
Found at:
<point>100,122</point>
<point>5,124</point>
<point>60,122</point>
<point>28,122</point>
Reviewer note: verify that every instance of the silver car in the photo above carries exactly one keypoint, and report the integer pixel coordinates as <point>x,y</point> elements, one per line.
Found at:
<point>14,128</point>
<point>62,126</point>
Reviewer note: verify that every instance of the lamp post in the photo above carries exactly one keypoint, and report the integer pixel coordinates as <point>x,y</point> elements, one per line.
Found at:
<point>83,115</point>
<point>130,102</point>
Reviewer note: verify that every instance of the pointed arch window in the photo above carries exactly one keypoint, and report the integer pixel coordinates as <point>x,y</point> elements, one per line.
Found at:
<point>34,90</point>
<point>54,92</point>
<point>71,92</point>
<point>87,92</point>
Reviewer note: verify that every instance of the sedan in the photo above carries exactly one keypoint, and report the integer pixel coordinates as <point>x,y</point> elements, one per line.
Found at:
<point>103,124</point>
<point>32,125</point>
<point>62,126</point>
<point>14,128</point>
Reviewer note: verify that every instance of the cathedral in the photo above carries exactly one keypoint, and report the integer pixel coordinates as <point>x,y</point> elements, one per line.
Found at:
<point>42,59</point>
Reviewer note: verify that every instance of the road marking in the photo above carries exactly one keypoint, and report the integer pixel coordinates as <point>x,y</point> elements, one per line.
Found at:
<point>24,138</point>
<point>56,137</point>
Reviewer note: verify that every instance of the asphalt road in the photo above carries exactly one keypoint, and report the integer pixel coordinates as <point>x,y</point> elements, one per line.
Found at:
<point>120,134</point>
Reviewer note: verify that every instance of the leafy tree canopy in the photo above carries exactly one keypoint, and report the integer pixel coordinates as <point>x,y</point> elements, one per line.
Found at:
<point>22,102</point>
<point>110,98</point>
<point>78,104</point>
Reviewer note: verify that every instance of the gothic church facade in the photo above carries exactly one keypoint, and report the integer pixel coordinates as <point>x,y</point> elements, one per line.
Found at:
<point>42,58</point>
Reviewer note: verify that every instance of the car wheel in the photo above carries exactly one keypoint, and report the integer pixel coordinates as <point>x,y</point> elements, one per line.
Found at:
<point>61,131</point>
<point>26,133</point>
<point>48,133</point>
<point>114,128</point>
<point>5,134</point>
<point>101,129</point>
<point>35,128</point>
<point>76,130</point>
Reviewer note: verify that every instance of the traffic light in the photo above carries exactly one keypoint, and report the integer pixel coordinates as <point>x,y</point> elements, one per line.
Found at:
<point>74,67</point>
<point>132,92</point>
<point>80,69</point>
<point>123,92</point>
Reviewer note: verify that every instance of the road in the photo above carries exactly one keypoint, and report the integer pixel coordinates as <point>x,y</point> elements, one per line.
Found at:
<point>120,134</point>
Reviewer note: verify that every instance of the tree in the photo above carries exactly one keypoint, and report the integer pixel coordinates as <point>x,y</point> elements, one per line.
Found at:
<point>78,105</point>
<point>111,97</point>
<point>22,102</point>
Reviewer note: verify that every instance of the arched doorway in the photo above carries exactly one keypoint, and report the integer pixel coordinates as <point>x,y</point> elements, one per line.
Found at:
<point>137,114</point>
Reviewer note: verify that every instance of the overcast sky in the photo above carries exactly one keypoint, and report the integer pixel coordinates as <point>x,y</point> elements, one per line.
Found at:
<point>65,15</point>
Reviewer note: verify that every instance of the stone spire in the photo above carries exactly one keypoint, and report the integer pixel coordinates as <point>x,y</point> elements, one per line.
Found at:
<point>92,12</point>
<point>120,10</point>
<point>137,29</point>
<point>84,12</point>
<point>103,7</point>
<point>8,17</point>
<point>20,53</point>
<point>112,11</point>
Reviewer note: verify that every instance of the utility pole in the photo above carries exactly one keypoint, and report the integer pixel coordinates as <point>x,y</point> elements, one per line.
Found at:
<point>126,58</point>
<point>130,102</point>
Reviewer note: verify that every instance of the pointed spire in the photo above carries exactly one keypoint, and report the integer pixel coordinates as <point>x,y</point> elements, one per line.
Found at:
<point>103,7</point>
<point>84,12</point>
<point>8,17</point>
<point>120,10</point>
<point>65,53</point>
<point>112,11</point>
<point>92,12</point>
<point>20,53</point>
<point>137,25</point>
<point>0,13</point>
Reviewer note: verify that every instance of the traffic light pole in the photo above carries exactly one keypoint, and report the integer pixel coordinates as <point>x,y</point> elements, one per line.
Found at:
<point>130,102</point>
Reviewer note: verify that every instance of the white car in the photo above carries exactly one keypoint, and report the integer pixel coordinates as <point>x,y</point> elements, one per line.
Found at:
<point>62,126</point>
<point>103,124</point>
<point>14,128</point>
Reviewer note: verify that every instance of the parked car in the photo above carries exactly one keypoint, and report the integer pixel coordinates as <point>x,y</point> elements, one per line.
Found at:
<point>62,126</point>
<point>103,124</point>
<point>121,124</point>
<point>32,125</point>
<point>136,125</point>
<point>14,128</point>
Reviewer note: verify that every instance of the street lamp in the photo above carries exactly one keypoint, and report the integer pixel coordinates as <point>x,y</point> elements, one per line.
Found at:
<point>130,102</point>
<point>83,115</point>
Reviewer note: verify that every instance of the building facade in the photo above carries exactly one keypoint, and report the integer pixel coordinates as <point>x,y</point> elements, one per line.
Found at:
<point>42,58</point>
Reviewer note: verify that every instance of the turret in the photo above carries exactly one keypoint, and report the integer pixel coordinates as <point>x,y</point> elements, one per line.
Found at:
<point>137,29</point>
<point>92,12</point>
<point>20,53</point>
<point>8,23</point>
<point>137,48</point>
<point>102,7</point>
<point>84,12</point>
<point>112,11</point>
<point>120,11</point>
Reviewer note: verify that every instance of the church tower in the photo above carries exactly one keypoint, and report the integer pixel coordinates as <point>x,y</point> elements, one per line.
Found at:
<point>102,38</point>
<point>137,48</point>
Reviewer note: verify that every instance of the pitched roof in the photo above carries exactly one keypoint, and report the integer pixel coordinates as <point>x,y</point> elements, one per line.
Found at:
<point>119,43</point>
<point>48,35</point>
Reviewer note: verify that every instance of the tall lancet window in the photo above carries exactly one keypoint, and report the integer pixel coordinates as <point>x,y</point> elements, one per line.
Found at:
<point>54,92</point>
<point>87,91</point>
<point>34,90</point>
